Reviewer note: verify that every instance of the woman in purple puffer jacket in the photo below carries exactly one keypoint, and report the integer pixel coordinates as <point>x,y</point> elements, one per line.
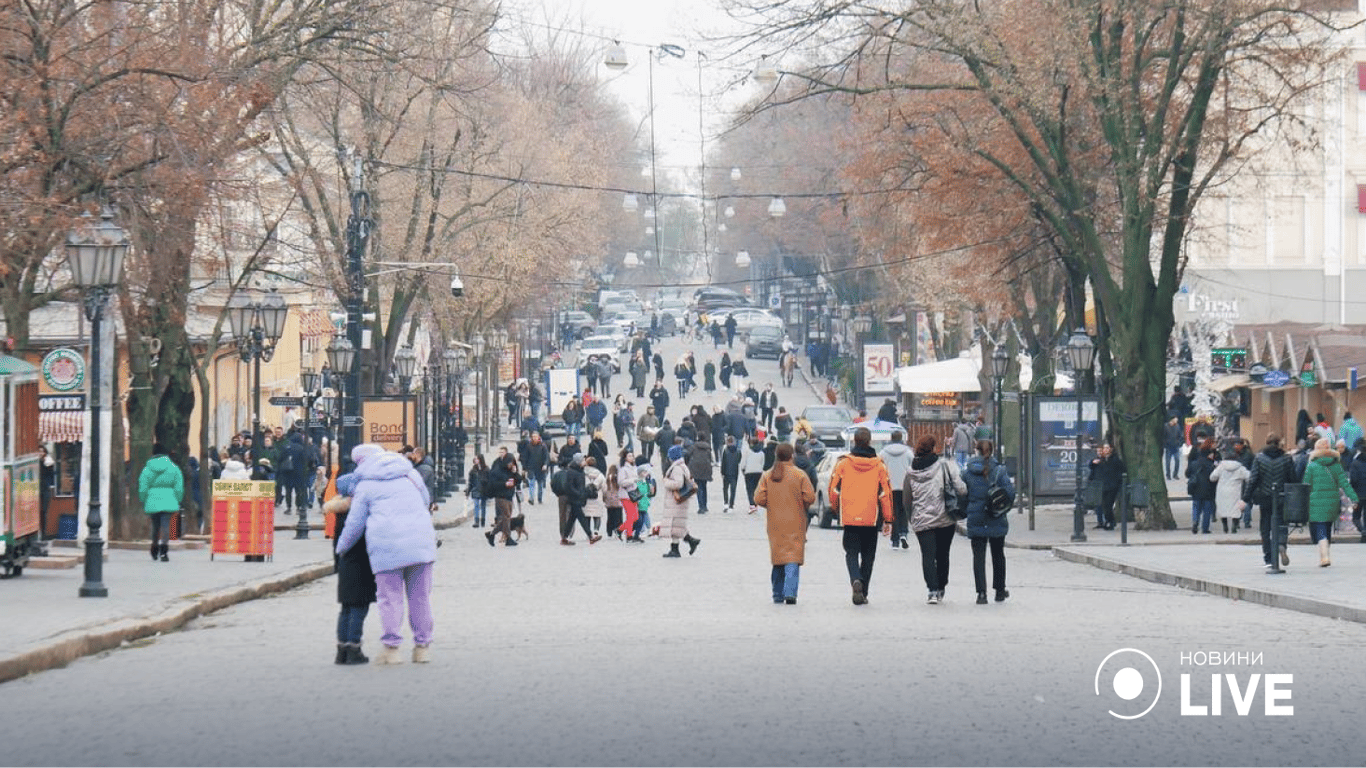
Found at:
<point>390,507</point>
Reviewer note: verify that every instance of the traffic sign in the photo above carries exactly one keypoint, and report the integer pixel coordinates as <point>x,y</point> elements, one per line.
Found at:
<point>775,301</point>
<point>352,421</point>
<point>1276,379</point>
<point>286,401</point>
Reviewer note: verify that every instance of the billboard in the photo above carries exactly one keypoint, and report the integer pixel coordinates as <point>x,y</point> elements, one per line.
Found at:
<point>388,421</point>
<point>1059,442</point>
<point>879,369</point>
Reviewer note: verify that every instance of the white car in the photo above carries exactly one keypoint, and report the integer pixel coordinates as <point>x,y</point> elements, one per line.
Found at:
<point>821,509</point>
<point>596,347</point>
<point>747,319</point>
<point>615,331</point>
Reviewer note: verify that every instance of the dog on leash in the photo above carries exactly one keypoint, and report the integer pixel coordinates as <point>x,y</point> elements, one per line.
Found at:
<point>517,525</point>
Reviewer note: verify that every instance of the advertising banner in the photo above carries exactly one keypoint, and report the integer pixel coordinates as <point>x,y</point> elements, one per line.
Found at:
<point>879,369</point>
<point>388,421</point>
<point>243,518</point>
<point>1057,447</point>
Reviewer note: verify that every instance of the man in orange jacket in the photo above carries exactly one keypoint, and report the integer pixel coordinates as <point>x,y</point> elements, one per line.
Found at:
<point>859,490</point>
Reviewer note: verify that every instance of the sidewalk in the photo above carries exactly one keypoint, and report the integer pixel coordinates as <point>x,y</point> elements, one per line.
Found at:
<point>47,625</point>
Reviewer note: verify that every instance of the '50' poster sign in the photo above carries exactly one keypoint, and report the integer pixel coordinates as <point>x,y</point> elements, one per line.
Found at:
<point>879,369</point>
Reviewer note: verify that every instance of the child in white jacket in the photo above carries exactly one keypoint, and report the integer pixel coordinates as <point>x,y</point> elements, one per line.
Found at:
<point>1230,476</point>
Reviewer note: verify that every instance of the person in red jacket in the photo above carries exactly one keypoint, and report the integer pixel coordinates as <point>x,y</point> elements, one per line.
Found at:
<point>861,491</point>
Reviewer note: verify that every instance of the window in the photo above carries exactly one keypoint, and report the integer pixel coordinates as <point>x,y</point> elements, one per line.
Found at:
<point>68,459</point>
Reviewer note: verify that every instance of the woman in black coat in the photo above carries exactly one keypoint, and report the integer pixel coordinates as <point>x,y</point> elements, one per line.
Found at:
<point>355,580</point>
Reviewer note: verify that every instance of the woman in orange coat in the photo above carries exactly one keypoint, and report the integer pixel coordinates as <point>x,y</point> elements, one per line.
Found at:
<point>785,492</point>
<point>860,490</point>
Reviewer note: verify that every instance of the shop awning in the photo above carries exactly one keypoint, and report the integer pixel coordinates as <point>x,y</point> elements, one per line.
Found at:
<point>316,322</point>
<point>1230,381</point>
<point>956,375</point>
<point>61,426</point>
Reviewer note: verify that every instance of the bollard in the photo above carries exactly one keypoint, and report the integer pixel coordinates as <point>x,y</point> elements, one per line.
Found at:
<point>1276,531</point>
<point>1124,511</point>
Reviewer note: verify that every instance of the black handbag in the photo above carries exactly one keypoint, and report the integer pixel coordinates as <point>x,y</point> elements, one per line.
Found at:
<point>634,495</point>
<point>955,505</point>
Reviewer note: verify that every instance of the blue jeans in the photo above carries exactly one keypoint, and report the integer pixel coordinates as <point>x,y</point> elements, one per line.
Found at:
<point>351,621</point>
<point>575,429</point>
<point>535,486</point>
<point>1202,512</point>
<point>701,495</point>
<point>785,578</point>
<point>1320,531</point>
<point>1171,462</point>
<point>962,459</point>
<point>480,509</point>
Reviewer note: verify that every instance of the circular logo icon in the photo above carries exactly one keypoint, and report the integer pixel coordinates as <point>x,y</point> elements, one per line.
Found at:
<point>64,369</point>
<point>1130,680</point>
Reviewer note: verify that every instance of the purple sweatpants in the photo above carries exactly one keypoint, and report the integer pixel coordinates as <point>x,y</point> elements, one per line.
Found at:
<point>416,582</point>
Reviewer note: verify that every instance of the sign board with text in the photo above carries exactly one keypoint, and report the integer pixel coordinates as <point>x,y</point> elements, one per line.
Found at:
<point>1061,442</point>
<point>243,518</point>
<point>879,369</point>
<point>388,421</point>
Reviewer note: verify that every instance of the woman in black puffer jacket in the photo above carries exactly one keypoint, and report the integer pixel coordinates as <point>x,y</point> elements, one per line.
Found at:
<point>984,529</point>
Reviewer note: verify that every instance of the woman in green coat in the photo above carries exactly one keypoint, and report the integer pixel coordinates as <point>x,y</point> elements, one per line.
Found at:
<point>1327,482</point>
<point>161,487</point>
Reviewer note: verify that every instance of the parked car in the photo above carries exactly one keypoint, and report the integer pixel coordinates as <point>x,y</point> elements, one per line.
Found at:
<point>764,341</point>
<point>615,331</point>
<point>581,323</point>
<point>749,318</point>
<point>595,347</point>
<point>672,311</point>
<point>882,435</point>
<point>828,423</point>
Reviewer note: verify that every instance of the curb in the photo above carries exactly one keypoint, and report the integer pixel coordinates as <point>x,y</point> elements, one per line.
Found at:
<point>66,649</point>
<point>1218,589</point>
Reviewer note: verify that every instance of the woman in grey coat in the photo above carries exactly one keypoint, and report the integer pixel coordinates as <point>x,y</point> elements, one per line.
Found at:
<point>928,479</point>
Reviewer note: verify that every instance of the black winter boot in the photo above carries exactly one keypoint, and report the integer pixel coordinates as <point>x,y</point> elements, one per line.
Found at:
<point>354,656</point>
<point>164,557</point>
<point>692,543</point>
<point>341,653</point>
<point>156,548</point>
<point>1224,520</point>
<point>673,551</point>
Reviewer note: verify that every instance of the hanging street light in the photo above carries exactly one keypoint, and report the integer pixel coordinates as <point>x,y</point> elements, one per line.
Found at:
<point>742,259</point>
<point>734,174</point>
<point>629,203</point>
<point>764,72</point>
<point>616,57</point>
<point>777,208</point>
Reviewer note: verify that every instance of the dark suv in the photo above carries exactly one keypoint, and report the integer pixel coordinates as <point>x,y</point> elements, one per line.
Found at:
<point>764,341</point>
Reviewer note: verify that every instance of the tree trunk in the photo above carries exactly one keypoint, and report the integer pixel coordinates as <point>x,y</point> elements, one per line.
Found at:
<point>1138,346</point>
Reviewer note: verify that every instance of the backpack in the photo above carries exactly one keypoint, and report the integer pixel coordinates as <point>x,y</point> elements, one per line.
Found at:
<point>559,483</point>
<point>286,461</point>
<point>998,501</point>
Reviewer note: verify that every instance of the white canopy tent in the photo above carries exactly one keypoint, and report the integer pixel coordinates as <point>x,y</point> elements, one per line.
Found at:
<point>956,375</point>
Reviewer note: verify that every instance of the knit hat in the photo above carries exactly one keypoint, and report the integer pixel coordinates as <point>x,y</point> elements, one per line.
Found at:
<point>364,451</point>
<point>676,453</point>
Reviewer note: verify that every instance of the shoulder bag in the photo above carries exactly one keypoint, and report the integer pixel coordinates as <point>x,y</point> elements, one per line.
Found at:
<point>956,506</point>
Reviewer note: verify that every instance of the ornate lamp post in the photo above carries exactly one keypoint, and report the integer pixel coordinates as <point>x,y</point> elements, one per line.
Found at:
<point>258,326</point>
<point>498,339</point>
<point>479,347</point>
<point>310,380</point>
<point>862,324</point>
<point>456,369</point>
<point>405,362</point>
<point>1081,352</point>
<point>1000,361</point>
<point>94,255</point>
<point>340,357</point>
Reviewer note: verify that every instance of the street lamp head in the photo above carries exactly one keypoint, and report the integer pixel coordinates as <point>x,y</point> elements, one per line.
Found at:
<point>1000,362</point>
<point>777,208</point>
<point>500,339</point>
<point>1081,351</point>
<point>273,311</point>
<point>734,174</point>
<point>631,259</point>
<point>479,344</point>
<point>764,72</point>
<point>742,259</point>
<point>616,57</point>
<point>405,362</point>
<point>629,202</point>
<point>95,253</point>
<point>310,379</point>
<point>341,355</point>
<point>241,316</point>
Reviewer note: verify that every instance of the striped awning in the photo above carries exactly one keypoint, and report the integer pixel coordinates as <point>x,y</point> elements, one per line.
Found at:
<point>61,426</point>
<point>316,322</point>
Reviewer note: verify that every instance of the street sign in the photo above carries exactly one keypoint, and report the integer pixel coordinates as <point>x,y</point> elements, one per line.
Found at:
<point>352,421</point>
<point>775,302</point>
<point>1276,379</point>
<point>287,401</point>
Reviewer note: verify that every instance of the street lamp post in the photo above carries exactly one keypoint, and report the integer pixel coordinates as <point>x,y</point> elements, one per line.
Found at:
<point>310,380</point>
<point>431,410</point>
<point>405,362</point>
<point>497,343</point>
<point>341,356</point>
<point>258,326</point>
<point>479,345</point>
<point>95,257</point>
<point>1080,351</point>
<point>1000,361</point>
<point>456,370</point>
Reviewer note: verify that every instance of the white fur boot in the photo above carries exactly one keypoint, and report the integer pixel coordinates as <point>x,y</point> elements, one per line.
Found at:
<point>390,655</point>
